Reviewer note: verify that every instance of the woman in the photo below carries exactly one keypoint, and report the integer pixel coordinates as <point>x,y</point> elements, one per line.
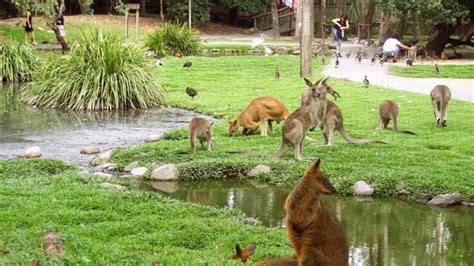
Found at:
<point>60,25</point>
<point>29,27</point>
<point>340,24</point>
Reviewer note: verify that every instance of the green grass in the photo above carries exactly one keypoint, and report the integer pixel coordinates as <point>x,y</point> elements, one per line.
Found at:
<point>172,39</point>
<point>17,63</point>
<point>428,71</point>
<point>101,226</point>
<point>437,160</point>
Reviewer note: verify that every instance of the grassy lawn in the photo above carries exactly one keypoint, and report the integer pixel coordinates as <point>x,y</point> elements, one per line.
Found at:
<point>101,226</point>
<point>436,160</point>
<point>428,71</point>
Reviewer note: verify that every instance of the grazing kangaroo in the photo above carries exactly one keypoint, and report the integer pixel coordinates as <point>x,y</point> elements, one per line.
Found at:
<point>264,110</point>
<point>315,233</point>
<point>201,129</point>
<point>299,122</point>
<point>388,110</point>
<point>440,97</point>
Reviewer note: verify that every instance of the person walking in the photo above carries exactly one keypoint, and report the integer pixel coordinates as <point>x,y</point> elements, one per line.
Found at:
<point>340,24</point>
<point>29,28</point>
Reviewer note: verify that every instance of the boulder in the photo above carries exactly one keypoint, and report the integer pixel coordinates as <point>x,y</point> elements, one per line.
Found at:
<point>131,166</point>
<point>139,171</point>
<point>167,172</point>
<point>361,188</point>
<point>32,152</point>
<point>281,50</point>
<point>444,200</point>
<point>107,166</point>
<point>259,169</point>
<point>113,186</point>
<point>102,175</point>
<point>89,150</point>
<point>152,138</point>
<point>295,52</point>
<point>102,158</point>
<point>229,51</point>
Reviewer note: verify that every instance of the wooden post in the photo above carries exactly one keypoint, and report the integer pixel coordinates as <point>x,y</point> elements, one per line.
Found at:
<point>306,41</point>
<point>126,24</point>
<point>189,13</point>
<point>137,15</point>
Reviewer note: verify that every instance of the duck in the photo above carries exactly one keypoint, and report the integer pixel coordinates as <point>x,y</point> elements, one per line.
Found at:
<point>191,92</point>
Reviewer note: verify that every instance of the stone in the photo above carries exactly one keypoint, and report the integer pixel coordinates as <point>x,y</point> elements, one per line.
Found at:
<point>361,188</point>
<point>102,158</point>
<point>167,172</point>
<point>165,186</point>
<point>423,201</point>
<point>113,186</point>
<point>251,221</point>
<point>468,204</point>
<point>107,166</point>
<point>102,175</point>
<point>89,150</point>
<point>444,200</point>
<point>229,51</point>
<point>281,50</point>
<point>295,52</point>
<point>128,176</point>
<point>259,169</point>
<point>131,166</point>
<point>32,152</point>
<point>139,171</point>
<point>152,138</point>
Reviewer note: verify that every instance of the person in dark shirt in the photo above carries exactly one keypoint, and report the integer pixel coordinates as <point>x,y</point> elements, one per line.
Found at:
<point>60,26</point>
<point>340,24</point>
<point>29,27</point>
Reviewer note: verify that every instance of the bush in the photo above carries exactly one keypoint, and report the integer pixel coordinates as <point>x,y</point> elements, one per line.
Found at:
<point>100,72</point>
<point>17,63</point>
<point>174,39</point>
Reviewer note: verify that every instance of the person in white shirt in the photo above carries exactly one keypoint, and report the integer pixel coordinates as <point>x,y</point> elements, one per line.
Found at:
<point>392,46</point>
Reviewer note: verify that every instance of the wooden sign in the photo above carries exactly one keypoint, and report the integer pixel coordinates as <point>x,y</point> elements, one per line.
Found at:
<point>133,6</point>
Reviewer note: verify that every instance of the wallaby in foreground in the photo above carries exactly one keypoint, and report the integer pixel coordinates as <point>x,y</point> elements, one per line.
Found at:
<point>299,122</point>
<point>388,110</point>
<point>264,110</point>
<point>201,129</point>
<point>315,233</point>
<point>440,97</point>
<point>244,255</point>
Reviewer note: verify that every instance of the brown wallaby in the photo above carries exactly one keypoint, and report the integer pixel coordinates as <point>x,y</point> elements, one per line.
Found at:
<point>299,122</point>
<point>201,129</point>
<point>388,110</point>
<point>440,97</point>
<point>244,254</point>
<point>52,244</point>
<point>315,233</point>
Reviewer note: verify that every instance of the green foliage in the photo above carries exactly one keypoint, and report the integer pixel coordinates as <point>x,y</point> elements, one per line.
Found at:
<point>100,72</point>
<point>170,39</point>
<point>21,169</point>
<point>176,134</point>
<point>250,6</point>
<point>48,7</point>
<point>17,63</point>
<point>427,71</point>
<point>86,6</point>
<point>201,10</point>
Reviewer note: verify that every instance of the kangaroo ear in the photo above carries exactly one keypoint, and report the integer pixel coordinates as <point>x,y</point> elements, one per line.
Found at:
<point>317,165</point>
<point>308,82</point>
<point>324,80</point>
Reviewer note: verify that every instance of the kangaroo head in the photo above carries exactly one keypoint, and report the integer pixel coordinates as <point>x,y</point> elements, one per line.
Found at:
<point>233,127</point>
<point>324,88</point>
<point>312,88</point>
<point>318,180</point>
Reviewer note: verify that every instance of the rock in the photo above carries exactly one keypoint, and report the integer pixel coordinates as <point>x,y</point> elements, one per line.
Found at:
<point>113,186</point>
<point>376,43</point>
<point>167,172</point>
<point>139,171</point>
<point>165,186</point>
<point>102,175</point>
<point>281,50</point>
<point>89,150</point>
<point>215,50</point>
<point>422,201</point>
<point>107,166</point>
<point>251,221</point>
<point>363,42</point>
<point>251,30</point>
<point>361,188</point>
<point>127,176</point>
<point>131,166</point>
<point>102,158</point>
<point>259,169</point>
<point>444,200</point>
<point>32,152</point>
<point>255,52</point>
<point>468,204</point>
<point>331,46</point>
<point>152,138</point>
<point>229,51</point>
<point>295,52</point>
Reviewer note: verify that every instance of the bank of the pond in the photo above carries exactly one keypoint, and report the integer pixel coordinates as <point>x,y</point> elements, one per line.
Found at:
<point>103,226</point>
<point>437,160</point>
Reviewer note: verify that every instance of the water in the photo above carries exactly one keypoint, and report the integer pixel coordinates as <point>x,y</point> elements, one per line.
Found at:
<point>61,133</point>
<point>379,231</point>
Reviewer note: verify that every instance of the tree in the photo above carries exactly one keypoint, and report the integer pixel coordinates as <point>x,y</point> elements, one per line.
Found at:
<point>85,6</point>
<point>307,32</point>
<point>322,16</point>
<point>385,22</point>
<point>365,11</point>
<point>275,19</point>
<point>162,17</point>
<point>299,13</point>
<point>340,6</point>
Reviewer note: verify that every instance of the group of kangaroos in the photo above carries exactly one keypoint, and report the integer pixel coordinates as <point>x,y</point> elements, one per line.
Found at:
<point>315,111</point>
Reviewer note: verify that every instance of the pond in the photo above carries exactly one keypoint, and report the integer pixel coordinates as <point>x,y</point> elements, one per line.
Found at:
<point>379,231</point>
<point>61,133</point>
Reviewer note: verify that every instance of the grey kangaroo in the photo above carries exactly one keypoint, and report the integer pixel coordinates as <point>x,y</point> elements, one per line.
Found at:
<point>440,97</point>
<point>201,129</point>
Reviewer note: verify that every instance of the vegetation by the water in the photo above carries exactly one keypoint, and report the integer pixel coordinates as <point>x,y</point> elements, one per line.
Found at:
<point>111,227</point>
<point>428,71</point>
<point>17,63</point>
<point>100,72</point>
<point>437,160</point>
<point>174,39</point>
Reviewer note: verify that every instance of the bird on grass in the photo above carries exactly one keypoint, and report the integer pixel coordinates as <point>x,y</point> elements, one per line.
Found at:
<point>277,74</point>
<point>437,69</point>
<point>158,62</point>
<point>373,60</point>
<point>323,60</point>
<point>188,64</point>
<point>337,62</point>
<point>348,55</point>
<point>257,41</point>
<point>366,81</point>
<point>409,61</point>
<point>359,59</point>
<point>191,92</point>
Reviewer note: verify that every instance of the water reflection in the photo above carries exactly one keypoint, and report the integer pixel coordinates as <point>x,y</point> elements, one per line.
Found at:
<point>379,231</point>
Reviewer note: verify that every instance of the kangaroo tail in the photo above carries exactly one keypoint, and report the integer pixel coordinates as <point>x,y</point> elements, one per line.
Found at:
<point>393,116</point>
<point>284,148</point>
<point>352,140</point>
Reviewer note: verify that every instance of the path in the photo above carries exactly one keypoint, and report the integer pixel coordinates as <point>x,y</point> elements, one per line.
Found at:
<point>461,89</point>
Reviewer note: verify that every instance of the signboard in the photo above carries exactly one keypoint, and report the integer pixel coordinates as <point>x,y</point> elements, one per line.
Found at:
<point>133,6</point>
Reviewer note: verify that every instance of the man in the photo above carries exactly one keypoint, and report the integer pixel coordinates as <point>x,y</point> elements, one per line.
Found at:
<point>392,46</point>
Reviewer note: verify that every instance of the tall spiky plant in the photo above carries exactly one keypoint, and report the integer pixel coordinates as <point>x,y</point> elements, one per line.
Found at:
<point>173,39</point>
<point>17,63</point>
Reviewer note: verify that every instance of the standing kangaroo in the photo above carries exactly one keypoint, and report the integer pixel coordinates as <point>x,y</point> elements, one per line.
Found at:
<point>201,129</point>
<point>315,233</point>
<point>440,97</point>
<point>388,110</point>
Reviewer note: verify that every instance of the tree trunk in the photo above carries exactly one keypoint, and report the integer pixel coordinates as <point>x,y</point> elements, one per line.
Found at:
<point>307,31</point>
<point>416,25</point>
<point>340,6</point>
<point>385,25</point>
<point>52,25</point>
<point>162,17</point>
<point>365,11</point>
<point>402,24</point>
<point>322,16</point>
<point>81,6</point>
<point>275,19</point>
<point>439,40</point>
<point>299,13</point>
<point>143,7</point>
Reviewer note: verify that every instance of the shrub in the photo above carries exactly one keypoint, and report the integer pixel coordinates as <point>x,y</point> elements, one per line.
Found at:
<point>17,63</point>
<point>100,72</point>
<point>173,39</point>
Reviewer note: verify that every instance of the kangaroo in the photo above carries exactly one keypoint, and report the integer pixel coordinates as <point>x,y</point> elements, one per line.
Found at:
<point>440,97</point>
<point>299,122</point>
<point>388,110</point>
<point>315,233</point>
<point>244,254</point>
<point>264,110</point>
<point>201,129</point>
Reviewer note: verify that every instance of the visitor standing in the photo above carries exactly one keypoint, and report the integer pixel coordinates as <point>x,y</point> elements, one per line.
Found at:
<point>29,27</point>
<point>340,24</point>
<point>60,25</point>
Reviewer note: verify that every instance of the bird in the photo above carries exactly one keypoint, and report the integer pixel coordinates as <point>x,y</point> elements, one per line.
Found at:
<point>366,81</point>
<point>382,61</point>
<point>267,51</point>
<point>191,92</point>
<point>337,62</point>
<point>373,60</point>
<point>348,55</point>
<point>158,62</point>
<point>277,74</point>
<point>188,64</point>
<point>323,61</point>
<point>359,59</point>
<point>257,41</point>
<point>409,61</point>
<point>436,68</point>
<point>244,254</point>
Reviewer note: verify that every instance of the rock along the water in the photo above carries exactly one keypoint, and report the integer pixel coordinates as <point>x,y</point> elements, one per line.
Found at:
<point>444,200</point>
<point>259,169</point>
<point>89,150</point>
<point>361,188</point>
<point>32,152</point>
<point>167,172</point>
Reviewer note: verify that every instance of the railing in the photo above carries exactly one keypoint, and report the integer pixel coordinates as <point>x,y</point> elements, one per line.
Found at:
<point>286,20</point>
